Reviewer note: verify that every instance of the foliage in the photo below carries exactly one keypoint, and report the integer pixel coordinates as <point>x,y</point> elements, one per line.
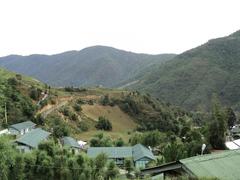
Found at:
<point>217,127</point>
<point>17,104</point>
<point>128,164</point>
<point>104,124</point>
<point>51,162</point>
<point>231,117</point>
<point>99,140</point>
<point>152,138</point>
<point>189,79</point>
<point>96,65</point>
<point>58,126</point>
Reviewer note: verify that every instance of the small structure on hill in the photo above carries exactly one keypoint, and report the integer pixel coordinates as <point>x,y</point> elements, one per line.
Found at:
<point>31,140</point>
<point>222,165</point>
<point>82,144</point>
<point>71,143</point>
<point>21,128</point>
<point>138,153</point>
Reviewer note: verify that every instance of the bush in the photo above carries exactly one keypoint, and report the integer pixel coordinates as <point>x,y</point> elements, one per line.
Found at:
<point>83,126</point>
<point>104,124</point>
<point>77,108</point>
<point>105,100</point>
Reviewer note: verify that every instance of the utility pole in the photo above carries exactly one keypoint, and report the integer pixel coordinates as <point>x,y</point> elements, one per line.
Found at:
<point>6,119</point>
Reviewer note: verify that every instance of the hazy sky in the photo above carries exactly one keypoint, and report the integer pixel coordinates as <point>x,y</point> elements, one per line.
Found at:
<point>147,26</point>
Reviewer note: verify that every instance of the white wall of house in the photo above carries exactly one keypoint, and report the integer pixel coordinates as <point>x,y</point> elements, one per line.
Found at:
<point>4,131</point>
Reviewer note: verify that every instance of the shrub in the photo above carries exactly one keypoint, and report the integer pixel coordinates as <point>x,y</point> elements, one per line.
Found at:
<point>104,124</point>
<point>77,108</point>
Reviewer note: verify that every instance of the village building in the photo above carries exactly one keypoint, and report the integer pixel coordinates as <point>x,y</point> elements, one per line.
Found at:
<point>222,165</point>
<point>31,140</point>
<point>71,143</point>
<point>21,128</point>
<point>138,153</point>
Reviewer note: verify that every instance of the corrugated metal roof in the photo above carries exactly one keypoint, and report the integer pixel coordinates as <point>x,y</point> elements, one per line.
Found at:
<point>70,142</point>
<point>139,151</point>
<point>23,125</point>
<point>33,138</point>
<point>136,152</point>
<point>111,152</point>
<point>224,165</point>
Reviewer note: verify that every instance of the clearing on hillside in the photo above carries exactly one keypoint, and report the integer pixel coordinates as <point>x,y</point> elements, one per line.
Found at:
<point>120,120</point>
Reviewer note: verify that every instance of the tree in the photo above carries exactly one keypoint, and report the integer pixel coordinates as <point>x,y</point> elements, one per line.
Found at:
<point>217,127</point>
<point>174,151</point>
<point>104,124</point>
<point>18,168</point>
<point>231,117</point>
<point>77,107</point>
<point>99,140</point>
<point>39,120</point>
<point>112,170</point>
<point>128,164</point>
<point>100,163</point>
<point>119,142</point>
<point>105,100</point>
<point>6,157</point>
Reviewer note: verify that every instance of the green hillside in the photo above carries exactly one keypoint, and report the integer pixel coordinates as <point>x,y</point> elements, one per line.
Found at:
<point>79,109</point>
<point>15,93</point>
<point>191,78</point>
<point>97,65</point>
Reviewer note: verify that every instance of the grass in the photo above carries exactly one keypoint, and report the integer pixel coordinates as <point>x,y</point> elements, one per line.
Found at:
<point>120,120</point>
<point>122,123</point>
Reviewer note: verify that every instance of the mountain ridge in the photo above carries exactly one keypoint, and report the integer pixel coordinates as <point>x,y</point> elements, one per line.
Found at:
<point>191,78</point>
<point>95,65</point>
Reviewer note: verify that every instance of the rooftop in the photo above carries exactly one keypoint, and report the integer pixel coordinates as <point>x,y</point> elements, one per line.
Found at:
<point>224,165</point>
<point>70,142</point>
<point>136,152</point>
<point>23,125</point>
<point>33,138</point>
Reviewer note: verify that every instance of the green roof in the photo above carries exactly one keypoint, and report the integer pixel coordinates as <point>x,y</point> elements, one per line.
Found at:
<point>140,151</point>
<point>70,142</point>
<point>136,152</point>
<point>33,138</point>
<point>223,165</point>
<point>111,152</point>
<point>23,125</point>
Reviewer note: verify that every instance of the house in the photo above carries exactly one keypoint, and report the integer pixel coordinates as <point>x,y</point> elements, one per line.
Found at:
<point>31,140</point>
<point>71,143</point>
<point>21,128</point>
<point>138,153</point>
<point>222,165</point>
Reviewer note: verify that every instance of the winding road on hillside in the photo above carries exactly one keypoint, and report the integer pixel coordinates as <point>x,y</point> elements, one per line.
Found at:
<point>46,110</point>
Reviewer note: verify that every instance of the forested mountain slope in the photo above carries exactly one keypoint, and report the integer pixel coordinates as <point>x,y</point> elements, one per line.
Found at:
<point>191,78</point>
<point>97,65</point>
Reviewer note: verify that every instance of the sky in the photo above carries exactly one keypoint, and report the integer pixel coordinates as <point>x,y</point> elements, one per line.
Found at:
<point>143,26</point>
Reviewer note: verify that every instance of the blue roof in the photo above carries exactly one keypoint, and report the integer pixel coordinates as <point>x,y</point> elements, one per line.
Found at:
<point>33,138</point>
<point>136,152</point>
<point>70,142</point>
<point>23,125</point>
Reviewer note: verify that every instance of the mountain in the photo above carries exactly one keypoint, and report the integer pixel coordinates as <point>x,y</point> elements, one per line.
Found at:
<point>191,78</point>
<point>97,65</point>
